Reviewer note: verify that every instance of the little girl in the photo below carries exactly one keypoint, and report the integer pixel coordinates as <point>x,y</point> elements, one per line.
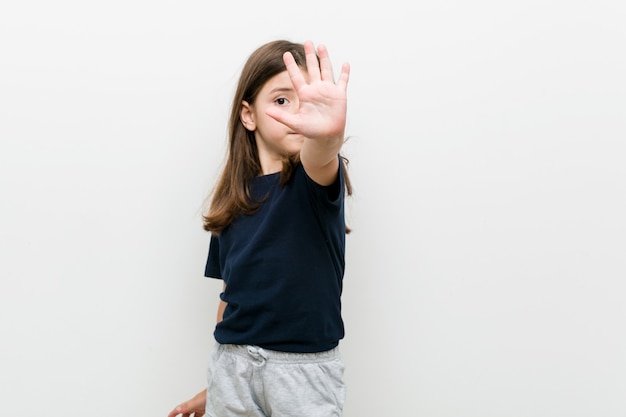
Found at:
<point>278,240</point>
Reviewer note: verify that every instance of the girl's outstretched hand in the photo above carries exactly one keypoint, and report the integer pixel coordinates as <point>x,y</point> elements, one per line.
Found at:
<point>322,102</point>
<point>191,408</point>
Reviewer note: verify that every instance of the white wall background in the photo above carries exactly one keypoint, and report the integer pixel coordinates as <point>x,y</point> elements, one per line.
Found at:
<point>487,264</point>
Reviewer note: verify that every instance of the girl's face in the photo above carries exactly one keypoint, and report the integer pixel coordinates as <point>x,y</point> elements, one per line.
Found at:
<point>274,140</point>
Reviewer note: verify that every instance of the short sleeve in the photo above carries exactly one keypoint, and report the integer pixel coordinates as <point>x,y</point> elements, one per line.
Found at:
<point>213,265</point>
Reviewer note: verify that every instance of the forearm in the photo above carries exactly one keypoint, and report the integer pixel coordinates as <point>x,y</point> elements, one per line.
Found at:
<point>220,310</point>
<point>319,159</point>
<point>319,152</point>
<point>221,307</point>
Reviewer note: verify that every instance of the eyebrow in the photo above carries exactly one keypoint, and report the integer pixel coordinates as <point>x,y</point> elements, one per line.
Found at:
<point>281,90</point>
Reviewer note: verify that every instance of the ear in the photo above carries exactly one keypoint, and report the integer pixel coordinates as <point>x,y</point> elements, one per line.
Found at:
<point>246,115</point>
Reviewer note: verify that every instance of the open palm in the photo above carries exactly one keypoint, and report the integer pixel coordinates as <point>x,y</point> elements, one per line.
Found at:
<point>322,102</point>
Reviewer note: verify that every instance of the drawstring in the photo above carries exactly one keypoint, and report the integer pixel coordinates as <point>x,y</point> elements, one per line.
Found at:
<point>259,354</point>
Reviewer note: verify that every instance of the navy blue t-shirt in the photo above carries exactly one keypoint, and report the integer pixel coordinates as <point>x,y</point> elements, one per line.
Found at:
<point>283,266</point>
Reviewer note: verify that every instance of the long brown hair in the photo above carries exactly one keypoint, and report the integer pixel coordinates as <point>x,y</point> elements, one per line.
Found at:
<point>231,195</point>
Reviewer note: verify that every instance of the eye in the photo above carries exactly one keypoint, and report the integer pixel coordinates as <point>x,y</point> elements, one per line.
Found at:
<point>281,101</point>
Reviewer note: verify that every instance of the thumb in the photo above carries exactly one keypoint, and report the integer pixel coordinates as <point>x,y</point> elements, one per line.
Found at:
<point>284,117</point>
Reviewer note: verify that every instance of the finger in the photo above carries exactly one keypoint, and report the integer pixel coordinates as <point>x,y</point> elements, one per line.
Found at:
<point>312,64</point>
<point>325,64</point>
<point>294,71</point>
<point>176,411</point>
<point>344,77</point>
<point>286,118</point>
<point>180,410</point>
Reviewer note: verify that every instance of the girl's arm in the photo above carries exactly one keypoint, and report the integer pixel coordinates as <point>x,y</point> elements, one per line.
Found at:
<point>321,115</point>
<point>221,307</point>
<point>194,407</point>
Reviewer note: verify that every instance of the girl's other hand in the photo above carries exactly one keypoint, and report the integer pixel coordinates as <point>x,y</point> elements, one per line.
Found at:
<point>195,407</point>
